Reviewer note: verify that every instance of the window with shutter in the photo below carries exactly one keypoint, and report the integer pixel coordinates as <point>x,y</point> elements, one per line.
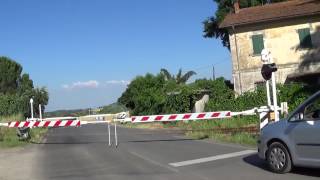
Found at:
<point>257,44</point>
<point>305,38</point>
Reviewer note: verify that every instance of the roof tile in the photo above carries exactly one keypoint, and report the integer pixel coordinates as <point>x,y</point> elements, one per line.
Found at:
<point>271,12</point>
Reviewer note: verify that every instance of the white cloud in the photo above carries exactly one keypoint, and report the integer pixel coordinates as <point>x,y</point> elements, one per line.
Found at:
<point>121,82</point>
<point>79,85</point>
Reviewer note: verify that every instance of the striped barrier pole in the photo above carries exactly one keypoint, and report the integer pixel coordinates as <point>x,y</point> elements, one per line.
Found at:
<point>261,111</point>
<point>181,117</point>
<point>32,124</point>
<point>57,123</point>
<point>49,123</point>
<point>109,135</point>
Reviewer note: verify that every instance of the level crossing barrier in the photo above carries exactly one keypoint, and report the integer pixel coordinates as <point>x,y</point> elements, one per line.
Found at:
<point>263,113</point>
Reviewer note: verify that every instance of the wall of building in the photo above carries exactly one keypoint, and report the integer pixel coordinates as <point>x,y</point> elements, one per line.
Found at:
<point>282,39</point>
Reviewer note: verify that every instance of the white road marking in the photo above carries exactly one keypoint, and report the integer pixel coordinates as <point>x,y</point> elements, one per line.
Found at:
<point>212,158</point>
<point>152,161</point>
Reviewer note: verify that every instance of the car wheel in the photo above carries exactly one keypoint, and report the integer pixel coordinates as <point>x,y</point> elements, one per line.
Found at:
<point>278,158</point>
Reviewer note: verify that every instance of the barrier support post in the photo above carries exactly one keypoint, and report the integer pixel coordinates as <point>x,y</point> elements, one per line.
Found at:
<point>31,108</point>
<point>109,134</point>
<point>40,112</point>
<point>268,93</point>
<point>274,92</point>
<point>115,134</point>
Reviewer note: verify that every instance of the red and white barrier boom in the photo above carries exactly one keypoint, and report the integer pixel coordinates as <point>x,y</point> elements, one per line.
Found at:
<point>32,124</point>
<point>263,113</point>
<point>190,116</point>
<point>49,123</point>
<point>181,117</point>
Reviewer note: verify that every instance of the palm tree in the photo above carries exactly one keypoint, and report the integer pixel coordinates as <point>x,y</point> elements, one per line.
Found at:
<point>179,78</point>
<point>41,96</point>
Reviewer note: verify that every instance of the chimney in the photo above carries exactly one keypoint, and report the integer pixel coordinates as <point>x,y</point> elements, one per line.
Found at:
<point>236,6</point>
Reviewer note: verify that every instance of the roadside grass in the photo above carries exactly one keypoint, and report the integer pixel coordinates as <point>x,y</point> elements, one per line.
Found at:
<point>37,134</point>
<point>238,138</point>
<point>9,138</point>
<point>155,125</point>
<point>205,125</point>
<point>235,122</point>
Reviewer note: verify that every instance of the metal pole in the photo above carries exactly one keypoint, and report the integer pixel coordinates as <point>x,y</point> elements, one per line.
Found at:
<point>109,133</point>
<point>268,93</point>
<point>115,134</point>
<point>31,107</point>
<point>213,73</point>
<point>274,92</point>
<point>40,112</point>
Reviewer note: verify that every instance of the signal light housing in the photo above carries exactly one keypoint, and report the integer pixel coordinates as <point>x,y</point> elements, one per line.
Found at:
<point>267,70</point>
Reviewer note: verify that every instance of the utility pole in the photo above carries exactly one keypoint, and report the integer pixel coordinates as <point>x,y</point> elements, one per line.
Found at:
<point>213,73</point>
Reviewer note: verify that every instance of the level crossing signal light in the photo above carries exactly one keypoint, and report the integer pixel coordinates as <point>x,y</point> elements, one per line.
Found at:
<point>268,73</point>
<point>267,70</point>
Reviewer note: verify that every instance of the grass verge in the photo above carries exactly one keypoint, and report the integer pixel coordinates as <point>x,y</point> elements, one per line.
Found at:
<point>235,122</point>
<point>155,125</point>
<point>9,138</point>
<point>237,138</point>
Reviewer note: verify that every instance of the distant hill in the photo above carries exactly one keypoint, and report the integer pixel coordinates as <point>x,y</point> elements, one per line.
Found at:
<point>109,109</point>
<point>112,109</point>
<point>63,113</point>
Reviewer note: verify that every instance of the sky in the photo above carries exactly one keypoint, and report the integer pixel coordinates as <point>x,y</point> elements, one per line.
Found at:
<point>85,52</point>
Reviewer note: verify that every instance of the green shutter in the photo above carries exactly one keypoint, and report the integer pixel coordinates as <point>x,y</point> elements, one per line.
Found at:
<point>305,38</point>
<point>257,43</point>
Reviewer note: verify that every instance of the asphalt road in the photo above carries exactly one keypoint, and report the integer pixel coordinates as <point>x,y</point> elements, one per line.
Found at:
<point>83,153</point>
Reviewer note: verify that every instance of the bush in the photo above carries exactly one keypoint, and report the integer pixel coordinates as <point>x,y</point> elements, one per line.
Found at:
<point>145,95</point>
<point>295,94</point>
<point>179,101</point>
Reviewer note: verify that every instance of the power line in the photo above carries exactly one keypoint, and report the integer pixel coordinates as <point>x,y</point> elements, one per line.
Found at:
<point>210,65</point>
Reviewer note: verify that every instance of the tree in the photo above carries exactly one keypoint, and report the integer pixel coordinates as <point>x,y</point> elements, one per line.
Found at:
<point>40,96</point>
<point>16,90</point>
<point>166,74</point>
<point>25,83</point>
<point>10,72</point>
<point>179,78</point>
<point>145,95</point>
<point>211,25</point>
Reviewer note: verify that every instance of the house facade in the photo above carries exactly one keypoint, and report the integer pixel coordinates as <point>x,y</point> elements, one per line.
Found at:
<point>289,30</point>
